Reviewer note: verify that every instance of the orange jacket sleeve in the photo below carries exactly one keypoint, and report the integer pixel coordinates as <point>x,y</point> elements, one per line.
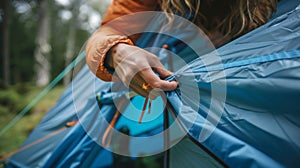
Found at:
<point>112,32</point>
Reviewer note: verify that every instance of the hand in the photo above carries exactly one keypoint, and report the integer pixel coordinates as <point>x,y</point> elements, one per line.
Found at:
<point>135,68</point>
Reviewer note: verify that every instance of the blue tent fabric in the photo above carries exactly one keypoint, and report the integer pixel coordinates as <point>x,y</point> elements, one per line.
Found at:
<point>56,118</point>
<point>260,123</point>
<point>78,149</point>
<point>259,126</point>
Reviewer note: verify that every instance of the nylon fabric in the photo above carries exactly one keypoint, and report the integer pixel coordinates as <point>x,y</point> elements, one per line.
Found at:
<point>258,126</point>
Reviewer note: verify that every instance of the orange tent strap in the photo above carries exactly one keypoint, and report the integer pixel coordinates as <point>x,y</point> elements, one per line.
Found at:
<point>72,123</point>
<point>106,139</point>
<point>144,108</point>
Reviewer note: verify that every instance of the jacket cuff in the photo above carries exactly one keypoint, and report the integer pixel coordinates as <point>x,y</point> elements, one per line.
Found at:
<point>102,72</point>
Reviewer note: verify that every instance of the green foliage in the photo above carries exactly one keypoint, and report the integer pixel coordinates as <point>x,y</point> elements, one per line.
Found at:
<point>23,31</point>
<point>22,44</point>
<point>10,101</point>
<point>3,110</point>
<point>13,100</point>
<point>16,135</point>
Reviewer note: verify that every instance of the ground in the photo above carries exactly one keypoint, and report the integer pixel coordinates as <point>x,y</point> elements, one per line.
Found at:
<point>12,101</point>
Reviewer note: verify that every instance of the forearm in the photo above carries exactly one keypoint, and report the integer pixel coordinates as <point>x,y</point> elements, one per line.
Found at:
<point>112,32</point>
<point>96,49</point>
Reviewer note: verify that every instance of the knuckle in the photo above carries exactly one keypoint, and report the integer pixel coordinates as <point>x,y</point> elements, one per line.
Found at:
<point>127,77</point>
<point>156,84</point>
<point>152,56</point>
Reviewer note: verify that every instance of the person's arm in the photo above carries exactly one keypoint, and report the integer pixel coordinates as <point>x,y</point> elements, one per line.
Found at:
<point>108,35</point>
<point>135,67</point>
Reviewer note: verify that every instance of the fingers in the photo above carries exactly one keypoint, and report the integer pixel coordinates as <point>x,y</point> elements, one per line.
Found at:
<point>155,82</point>
<point>136,85</point>
<point>160,69</point>
<point>134,67</point>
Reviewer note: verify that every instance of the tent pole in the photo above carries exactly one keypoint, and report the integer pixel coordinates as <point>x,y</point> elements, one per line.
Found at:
<point>166,139</point>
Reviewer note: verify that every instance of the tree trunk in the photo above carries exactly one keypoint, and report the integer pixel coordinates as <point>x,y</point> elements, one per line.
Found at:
<point>71,39</point>
<point>69,52</point>
<point>5,42</point>
<point>43,48</point>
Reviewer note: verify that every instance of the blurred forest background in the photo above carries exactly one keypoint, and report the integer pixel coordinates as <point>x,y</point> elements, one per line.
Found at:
<point>39,38</point>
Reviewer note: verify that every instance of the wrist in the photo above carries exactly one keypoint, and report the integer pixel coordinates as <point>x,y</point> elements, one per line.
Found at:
<point>108,62</point>
<point>111,54</point>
